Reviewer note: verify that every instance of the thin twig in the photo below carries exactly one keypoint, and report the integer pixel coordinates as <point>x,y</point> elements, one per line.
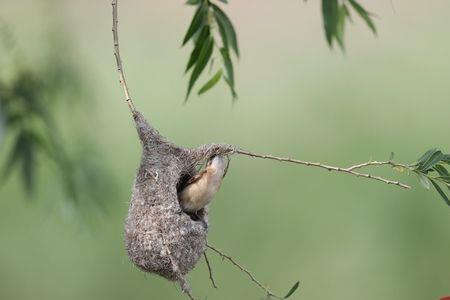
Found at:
<point>190,296</point>
<point>349,170</point>
<point>393,7</point>
<point>210,270</point>
<point>122,80</point>
<point>230,259</point>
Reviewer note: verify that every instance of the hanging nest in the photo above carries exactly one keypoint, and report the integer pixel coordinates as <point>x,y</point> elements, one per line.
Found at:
<point>159,237</point>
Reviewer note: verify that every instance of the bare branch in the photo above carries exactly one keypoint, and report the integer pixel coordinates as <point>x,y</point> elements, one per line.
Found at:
<point>349,170</point>
<point>209,270</point>
<point>230,259</point>
<point>122,80</point>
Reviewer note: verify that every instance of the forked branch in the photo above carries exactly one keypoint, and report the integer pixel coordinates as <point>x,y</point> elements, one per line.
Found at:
<point>349,170</point>
<point>249,274</point>
<point>211,277</point>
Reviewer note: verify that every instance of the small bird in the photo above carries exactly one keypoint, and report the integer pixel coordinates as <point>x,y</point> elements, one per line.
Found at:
<point>201,188</point>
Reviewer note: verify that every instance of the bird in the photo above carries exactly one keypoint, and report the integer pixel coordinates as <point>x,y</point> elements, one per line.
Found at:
<point>201,188</point>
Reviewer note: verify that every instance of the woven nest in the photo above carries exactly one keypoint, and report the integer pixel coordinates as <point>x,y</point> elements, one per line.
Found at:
<point>159,237</point>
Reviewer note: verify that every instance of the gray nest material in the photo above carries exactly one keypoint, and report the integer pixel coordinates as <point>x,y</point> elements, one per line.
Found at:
<point>159,237</point>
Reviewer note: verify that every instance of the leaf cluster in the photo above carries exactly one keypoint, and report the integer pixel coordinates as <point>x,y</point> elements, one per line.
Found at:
<point>28,111</point>
<point>210,21</point>
<point>25,116</point>
<point>431,168</point>
<point>211,32</point>
<point>335,16</point>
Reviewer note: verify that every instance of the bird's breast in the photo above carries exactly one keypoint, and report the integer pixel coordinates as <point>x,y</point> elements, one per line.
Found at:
<point>199,194</point>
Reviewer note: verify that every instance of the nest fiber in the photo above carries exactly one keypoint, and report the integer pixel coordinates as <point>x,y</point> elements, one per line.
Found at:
<point>159,237</point>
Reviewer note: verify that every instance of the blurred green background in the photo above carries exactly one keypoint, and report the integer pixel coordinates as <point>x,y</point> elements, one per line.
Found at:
<point>342,237</point>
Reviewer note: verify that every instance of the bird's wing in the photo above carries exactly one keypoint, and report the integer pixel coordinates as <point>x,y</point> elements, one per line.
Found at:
<point>195,178</point>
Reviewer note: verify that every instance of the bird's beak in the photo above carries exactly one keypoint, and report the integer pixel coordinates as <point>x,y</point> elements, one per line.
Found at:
<point>228,164</point>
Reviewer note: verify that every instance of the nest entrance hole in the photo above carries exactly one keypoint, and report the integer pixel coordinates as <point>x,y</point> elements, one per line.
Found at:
<point>200,215</point>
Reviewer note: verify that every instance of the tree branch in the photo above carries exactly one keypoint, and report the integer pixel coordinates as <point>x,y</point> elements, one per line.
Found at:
<point>249,274</point>
<point>122,80</point>
<point>350,170</point>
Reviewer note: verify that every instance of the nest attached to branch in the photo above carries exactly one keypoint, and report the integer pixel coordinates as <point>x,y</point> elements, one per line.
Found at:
<point>159,237</point>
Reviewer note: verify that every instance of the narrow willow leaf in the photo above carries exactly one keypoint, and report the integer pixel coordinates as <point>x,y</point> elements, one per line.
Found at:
<point>228,65</point>
<point>233,92</point>
<point>28,163</point>
<point>446,179</point>
<point>14,155</point>
<point>431,161</point>
<point>426,156</point>
<point>211,83</point>
<point>330,14</point>
<point>340,27</point>
<point>292,290</point>
<point>223,33</point>
<point>441,192</point>
<point>223,20</point>
<point>347,12</point>
<point>193,2</point>
<point>444,173</point>
<point>202,38</point>
<point>446,158</point>
<point>441,170</point>
<point>204,56</point>
<point>364,14</point>
<point>424,181</point>
<point>224,1</point>
<point>197,22</point>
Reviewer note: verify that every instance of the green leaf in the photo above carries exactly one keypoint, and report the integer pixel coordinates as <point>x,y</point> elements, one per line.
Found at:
<point>211,83</point>
<point>431,161</point>
<point>28,163</point>
<point>223,34</point>
<point>224,1</point>
<point>233,92</point>
<point>364,14</point>
<point>228,65</point>
<point>446,179</point>
<point>347,12</point>
<point>229,79</point>
<point>330,12</point>
<point>446,159</point>
<point>426,156</point>
<point>193,2</point>
<point>14,155</point>
<point>441,192</point>
<point>202,38</point>
<point>227,30</point>
<point>340,28</point>
<point>424,181</point>
<point>292,290</point>
<point>198,21</point>
<point>204,56</point>
<point>441,170</point>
